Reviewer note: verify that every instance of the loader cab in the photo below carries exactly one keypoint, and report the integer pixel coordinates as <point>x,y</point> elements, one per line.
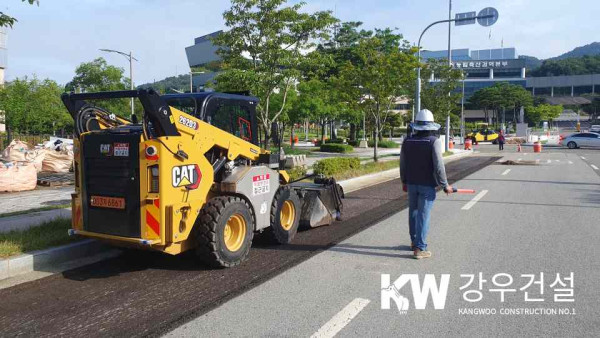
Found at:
<point>233,113</point>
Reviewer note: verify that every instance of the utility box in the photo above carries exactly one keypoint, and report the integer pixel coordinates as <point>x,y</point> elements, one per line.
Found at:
<point>522,130</point>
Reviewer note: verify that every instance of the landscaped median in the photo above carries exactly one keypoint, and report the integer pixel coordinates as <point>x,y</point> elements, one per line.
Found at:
<point>43,236</point>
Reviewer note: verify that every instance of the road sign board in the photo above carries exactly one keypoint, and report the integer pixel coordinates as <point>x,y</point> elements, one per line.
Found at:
<point>489,20</point>
<point>467,18</point>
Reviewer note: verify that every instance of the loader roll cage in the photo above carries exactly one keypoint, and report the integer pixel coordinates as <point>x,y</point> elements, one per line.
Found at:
<point>233,113</point>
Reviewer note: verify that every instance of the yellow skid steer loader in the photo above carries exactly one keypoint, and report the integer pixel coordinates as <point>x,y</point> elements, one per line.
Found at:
<point>190,175</point>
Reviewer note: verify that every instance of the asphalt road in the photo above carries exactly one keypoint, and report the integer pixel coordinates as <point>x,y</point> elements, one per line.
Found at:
<point>141,294</point>
<point>539,215</point>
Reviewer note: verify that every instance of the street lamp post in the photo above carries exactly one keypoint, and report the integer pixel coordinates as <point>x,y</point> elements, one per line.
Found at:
<point>130,58</point>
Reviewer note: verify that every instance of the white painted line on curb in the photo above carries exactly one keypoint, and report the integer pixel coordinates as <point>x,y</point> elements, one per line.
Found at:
<point>593,166</point>
<point>505,172</point>
<point>341,319</point>
<point>474,200</point>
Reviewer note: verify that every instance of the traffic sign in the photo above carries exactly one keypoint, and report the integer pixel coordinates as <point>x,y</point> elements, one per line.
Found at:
<point>467,18</point>
<point>491,16</point>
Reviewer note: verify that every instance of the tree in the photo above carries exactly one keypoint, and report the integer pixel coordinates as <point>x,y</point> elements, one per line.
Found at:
<point>33,106</point>
<point>9,21</point>
<point>99,76</point>
<point>263,48</point>
<point>384,72</point>
<point>588,64</point>
<point>542,112</point>
<point>434,95</point>
<point>501,96</point>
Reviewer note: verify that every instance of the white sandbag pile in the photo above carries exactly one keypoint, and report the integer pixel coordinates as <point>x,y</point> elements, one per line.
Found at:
<point>18,151</point>
<point>17,176</point>
<point>58,157</point>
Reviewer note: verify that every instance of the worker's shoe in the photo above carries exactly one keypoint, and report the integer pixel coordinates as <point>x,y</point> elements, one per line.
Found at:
<point>418,253</point>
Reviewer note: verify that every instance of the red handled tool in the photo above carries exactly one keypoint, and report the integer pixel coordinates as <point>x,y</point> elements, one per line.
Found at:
<point>463,191</point>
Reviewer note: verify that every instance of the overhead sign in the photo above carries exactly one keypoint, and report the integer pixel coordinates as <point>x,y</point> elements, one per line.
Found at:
<point>467,18</point>
<point>487,64</point>
<point>490,14</point>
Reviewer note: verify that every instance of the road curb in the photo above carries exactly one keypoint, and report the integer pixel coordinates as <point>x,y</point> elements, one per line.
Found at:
<point>48,259</point>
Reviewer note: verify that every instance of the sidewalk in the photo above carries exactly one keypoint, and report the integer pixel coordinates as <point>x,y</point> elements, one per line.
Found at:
<point>34,199</point>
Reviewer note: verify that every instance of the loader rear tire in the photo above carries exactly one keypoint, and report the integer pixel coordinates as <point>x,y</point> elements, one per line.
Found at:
<point>285,215</point>
<point>223,231</point>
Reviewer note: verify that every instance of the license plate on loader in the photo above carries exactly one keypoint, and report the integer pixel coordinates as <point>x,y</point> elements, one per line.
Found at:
<point>107,202</point>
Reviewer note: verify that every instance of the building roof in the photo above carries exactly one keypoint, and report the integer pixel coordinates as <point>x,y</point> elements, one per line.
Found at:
<point>567,100</point>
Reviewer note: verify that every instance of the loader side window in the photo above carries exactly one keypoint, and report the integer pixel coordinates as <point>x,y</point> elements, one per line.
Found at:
<point>185,104</point>
<point>234,119</point>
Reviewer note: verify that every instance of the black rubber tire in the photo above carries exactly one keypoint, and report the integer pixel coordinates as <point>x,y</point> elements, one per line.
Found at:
<point>209,228</point>
<point>572,145</point>
<point>495,141</point>
<point>276,231</point>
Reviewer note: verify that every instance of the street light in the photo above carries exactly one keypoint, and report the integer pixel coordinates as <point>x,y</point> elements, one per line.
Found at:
<point>487,17</point>
<point>130,58</point>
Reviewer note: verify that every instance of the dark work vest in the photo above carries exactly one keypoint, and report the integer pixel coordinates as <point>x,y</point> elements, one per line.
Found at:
<point>418,153</point>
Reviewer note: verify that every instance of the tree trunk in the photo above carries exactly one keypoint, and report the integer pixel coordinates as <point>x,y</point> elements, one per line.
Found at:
<point>323,122</point>
<point>376,142</point>
<point>332,130</point>
<point>353,131</point>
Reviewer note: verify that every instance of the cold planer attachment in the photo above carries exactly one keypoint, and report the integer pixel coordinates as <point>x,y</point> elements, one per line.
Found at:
<point>190,175</point>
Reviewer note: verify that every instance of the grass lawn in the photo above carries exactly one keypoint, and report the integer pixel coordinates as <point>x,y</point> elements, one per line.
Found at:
<point>295,151</point>
<point>366,169</point>
<point>21,212</point>
<point>46,235</point>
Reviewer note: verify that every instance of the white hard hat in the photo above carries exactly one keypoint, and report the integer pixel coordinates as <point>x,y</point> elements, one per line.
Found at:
<point>424,121</point>
<point>424,115</point>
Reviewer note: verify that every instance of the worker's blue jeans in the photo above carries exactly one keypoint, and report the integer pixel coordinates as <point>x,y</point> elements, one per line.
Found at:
<point>420,202</point>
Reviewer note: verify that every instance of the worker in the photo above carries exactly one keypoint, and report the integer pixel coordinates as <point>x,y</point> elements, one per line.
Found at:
<point>501,140</point>
<point>422,170</point>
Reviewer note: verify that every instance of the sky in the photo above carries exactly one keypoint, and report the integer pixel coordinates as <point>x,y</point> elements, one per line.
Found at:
<point>52,39</point>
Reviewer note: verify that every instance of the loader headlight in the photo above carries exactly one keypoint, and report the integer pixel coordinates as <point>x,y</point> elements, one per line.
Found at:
<point>151,153</point>
<point>153,174</point>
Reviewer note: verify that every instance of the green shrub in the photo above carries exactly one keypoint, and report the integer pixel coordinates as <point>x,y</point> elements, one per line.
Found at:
<point>336,148</point>
<point>296,173</point>
<point>335,165</point>
<point>384,144</point>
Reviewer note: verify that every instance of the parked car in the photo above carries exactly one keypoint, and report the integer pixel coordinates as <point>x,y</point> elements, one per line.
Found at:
<point>595,128</point>
<point>483,135</point>
<point>582,140</point>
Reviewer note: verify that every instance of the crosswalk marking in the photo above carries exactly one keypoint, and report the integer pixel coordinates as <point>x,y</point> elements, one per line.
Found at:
<point>505,172</point>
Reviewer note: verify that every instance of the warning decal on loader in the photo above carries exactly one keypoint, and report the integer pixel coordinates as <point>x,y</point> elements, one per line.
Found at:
<point>260,184</point>
<point>188,176</point>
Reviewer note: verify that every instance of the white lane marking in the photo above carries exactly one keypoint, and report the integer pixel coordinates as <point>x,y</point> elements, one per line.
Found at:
<point>583,158</point>
<point>341,319</point>
<point>593,166</point>
<point>525,154</point>
<point>570,162</point>
<point>474,200</point>
<point>557,161</point>
<point>505,172</point>
<point>549,161</point>
<point>519,160</point>
<point>537,161</point>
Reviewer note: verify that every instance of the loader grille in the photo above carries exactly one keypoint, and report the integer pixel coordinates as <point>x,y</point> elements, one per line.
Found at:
<point>111,172</point>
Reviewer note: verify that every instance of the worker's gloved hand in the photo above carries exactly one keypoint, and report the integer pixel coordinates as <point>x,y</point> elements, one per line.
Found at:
<point>448,190</point>
<point>404,187</point>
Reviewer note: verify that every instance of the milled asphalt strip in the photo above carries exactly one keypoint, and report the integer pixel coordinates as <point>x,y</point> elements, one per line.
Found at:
<point>505,172</point>
<point>474,200</point>
<point>341,319</point>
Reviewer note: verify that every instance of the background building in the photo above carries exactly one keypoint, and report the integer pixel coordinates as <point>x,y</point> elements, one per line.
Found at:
<point>3,59</point>
<point>203,54</point>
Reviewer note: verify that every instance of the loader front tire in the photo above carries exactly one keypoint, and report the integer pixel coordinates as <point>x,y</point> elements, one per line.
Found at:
<point>223,231</point>
<point>285,215</point>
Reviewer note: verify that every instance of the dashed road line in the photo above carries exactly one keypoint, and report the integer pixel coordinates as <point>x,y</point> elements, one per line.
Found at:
<point>519,160</point>
<point>549,161</point>
<point>474,200</point>
<point>593,166</point>
<point>583,158</point>
<point>341,319</point>
<point>505,172</point>
<point>557,161</point>
<point>537,161</point>
<point>570,162</point>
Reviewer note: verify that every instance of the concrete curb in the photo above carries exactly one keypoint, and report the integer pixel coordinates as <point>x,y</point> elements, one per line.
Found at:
<point>48,259</point>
